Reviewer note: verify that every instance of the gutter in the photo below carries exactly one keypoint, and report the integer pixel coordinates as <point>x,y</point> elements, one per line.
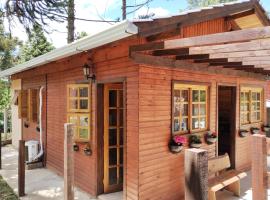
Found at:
<point>114,33</point>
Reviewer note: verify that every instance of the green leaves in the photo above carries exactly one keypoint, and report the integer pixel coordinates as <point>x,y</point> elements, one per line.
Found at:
<point>4,95</point>
<point>36,45</point>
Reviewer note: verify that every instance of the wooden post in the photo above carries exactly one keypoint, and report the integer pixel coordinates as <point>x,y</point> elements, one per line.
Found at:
<point>21,169</point>
<point>196,174</point>
<point>69,162</point>
<point>259,167</point>
<point>0,150</point>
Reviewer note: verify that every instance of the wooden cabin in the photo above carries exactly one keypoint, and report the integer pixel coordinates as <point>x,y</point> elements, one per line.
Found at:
<point>199,71</point>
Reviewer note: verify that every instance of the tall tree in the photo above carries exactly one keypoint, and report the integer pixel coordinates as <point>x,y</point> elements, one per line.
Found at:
<point>202,3</point>
<point>36,45</point>
<point>33,12</point>
<point>71,21</point>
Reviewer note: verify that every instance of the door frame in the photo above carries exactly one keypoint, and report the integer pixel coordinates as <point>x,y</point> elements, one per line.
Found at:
<point>99,99</point>
<point>234,122</point>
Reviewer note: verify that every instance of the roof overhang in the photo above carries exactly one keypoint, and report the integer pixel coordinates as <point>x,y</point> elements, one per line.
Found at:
<point>245,52</point>
<point>117,32</point>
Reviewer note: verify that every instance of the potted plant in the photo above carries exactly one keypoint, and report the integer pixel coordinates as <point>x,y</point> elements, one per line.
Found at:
<point>254,130</point>
<point>177,143</point>
<point>266,129</point>
<point>211,137</point>
<point>195,141</point>
<point>243,133</point>
<point>75,147</point>
<point>87,150</point>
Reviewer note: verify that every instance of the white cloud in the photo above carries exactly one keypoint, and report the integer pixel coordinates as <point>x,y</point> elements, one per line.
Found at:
<point>158,11</point>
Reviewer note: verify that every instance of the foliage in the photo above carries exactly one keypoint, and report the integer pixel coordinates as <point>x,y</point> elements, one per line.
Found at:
<point>146,16</point>
<point>36,45</point>
<point>80,35</point>
<point>6,192</point>
<point>196,139</point>
<point>29,13</point>
<point>204,3</point>
<point>4,95</point>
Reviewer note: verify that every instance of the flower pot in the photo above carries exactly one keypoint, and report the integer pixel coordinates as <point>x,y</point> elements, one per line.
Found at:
<point>75,147</point>
<point>196,145</point>
<point>243,133</point>
<point>255,131</point>
<point>211,140</point>
<point>176,148</point>
<point>87,152</point>
<point>266,128</point>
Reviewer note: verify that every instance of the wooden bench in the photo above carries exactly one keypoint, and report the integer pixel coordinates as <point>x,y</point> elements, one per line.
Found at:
<point>227,179</point>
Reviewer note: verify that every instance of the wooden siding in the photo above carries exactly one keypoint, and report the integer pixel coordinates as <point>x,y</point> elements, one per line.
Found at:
<point>161,172</point>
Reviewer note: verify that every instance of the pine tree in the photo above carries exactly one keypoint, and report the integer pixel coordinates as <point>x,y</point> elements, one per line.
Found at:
<point>204,3</point>
<point>36,45</point>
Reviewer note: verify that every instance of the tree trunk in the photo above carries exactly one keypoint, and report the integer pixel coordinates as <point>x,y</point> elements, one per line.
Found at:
<point>71,21</point>
<point>124,7</point>
<point>5,123</point>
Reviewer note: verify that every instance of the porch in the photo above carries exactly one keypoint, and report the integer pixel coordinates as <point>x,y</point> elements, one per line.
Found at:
<point>45,184</point>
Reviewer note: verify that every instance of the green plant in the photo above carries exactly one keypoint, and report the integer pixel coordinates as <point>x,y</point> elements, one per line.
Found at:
<point>196,139</point>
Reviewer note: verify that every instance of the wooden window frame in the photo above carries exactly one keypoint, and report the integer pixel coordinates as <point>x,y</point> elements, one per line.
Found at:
<point>251,90</point>
<point>80,112</point>
<point>191,87</point>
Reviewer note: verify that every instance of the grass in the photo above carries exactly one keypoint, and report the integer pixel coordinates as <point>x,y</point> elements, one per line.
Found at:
<point>6,193</point>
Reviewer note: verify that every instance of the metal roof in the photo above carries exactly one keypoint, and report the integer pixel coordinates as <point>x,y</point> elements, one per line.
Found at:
<point>116,32</point>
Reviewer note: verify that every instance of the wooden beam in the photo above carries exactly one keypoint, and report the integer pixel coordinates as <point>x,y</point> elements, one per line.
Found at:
<point>216,60</point>
<point>196,174</point>
<point>158,30</point>
<point>219,38</point>
<point>250,59</point>
<point>261,14</point>
<point>259,167</point>
<point>147,46</point>
<point>193,57</point>
<point>261,44</point>
<point>21,169</point>
<point>184,51</point>
<point>241,54</point>
<point>141,58</point>
<point>226,64</point>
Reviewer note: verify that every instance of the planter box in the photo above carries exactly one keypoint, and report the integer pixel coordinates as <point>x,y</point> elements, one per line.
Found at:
<point>176,148</point>
<point>243,133</point>
<point>196,145</point>
<point>211,140</point>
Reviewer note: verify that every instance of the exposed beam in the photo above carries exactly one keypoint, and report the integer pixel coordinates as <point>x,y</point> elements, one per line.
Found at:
<point>217,60</point>
<point>147,46</point>
<point>250,59</point>
<point>219,38</point>
<point>184,51</point>
<point>241,54</point>
<point>192,57</point>
<point>253,45</point>
<point>185,65</point>
<point>226,64</point>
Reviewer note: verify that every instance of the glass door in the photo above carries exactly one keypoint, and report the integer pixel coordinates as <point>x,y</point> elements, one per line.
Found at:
<point>113,137</point>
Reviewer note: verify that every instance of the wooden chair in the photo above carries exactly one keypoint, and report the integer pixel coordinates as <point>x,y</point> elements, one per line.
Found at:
<point>227,179</point>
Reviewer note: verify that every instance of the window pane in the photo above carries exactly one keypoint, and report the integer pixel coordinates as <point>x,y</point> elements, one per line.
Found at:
<point>73,120</point>
<point>113,176</point>
<point>253,116</point>
<point>202,123</point>
<point>112,117</point>
<point>242,96</point>
<point>184,124</point>
<point>121,120</point>
<point>184,95</point>
<point>258,96</point>
<point>246,96</point>
<point>176,95</point>
<point>112,137</point>
<point>84,121</point>
<point>202,109</point>
<point>121,175</point>
<point>195,109</point>
<point>113,98</point>
<point>83,92</point>
<point>113,156</point>
<point>176,124</point>
<point>185,110</point>
<point>258,115</point>
<point>195,95</point>
<point>195,123</point>
<point>176,110</point>
<point>202,96</point>
<point>73,92</point>
<point>121,155</point>
<point>121,136</point>
<point>121,105</point>
<point>254,96</point>
<point>83,133</point>
<point>254,106</point>
<point>73,104</point>
<point>83,104</point>
<point>258,106</point>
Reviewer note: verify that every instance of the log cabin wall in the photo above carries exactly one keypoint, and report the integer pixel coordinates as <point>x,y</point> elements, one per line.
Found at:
<point>112,62</point>
<point>161,173</point>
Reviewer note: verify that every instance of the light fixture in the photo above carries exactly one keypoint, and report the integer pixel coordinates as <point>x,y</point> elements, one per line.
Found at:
<point>88,71</point>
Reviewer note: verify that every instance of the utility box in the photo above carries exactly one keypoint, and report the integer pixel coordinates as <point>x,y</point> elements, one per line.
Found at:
<point>31,148</point>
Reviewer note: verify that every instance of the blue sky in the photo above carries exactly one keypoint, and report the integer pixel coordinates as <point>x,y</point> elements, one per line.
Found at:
<point>110,10</point>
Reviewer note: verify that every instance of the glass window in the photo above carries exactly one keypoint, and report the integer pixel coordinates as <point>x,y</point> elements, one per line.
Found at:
<point>81,121</point>
<point>189,108</point>
<point>250,105</point>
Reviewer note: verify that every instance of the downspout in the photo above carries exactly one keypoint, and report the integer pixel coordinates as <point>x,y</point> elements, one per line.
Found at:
<point>40,125</point>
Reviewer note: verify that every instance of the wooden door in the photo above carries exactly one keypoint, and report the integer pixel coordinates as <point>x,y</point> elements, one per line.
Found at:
<point>113,137</point>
